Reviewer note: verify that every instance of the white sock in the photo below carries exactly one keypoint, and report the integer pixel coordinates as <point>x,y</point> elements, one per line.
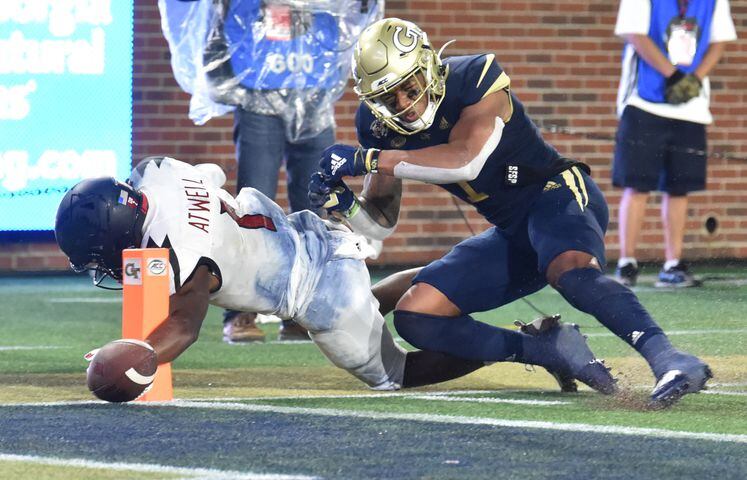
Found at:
<point>626,260</point>
<point>671,263</point>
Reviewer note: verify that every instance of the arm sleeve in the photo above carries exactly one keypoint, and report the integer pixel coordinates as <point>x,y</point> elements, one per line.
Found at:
<point>483,77</point>
<point>363,224</point>
<point>634,17</point>
<point>722,25</point>
<point>466,173</point>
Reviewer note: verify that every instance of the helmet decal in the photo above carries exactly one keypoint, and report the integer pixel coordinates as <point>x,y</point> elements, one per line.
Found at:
<point>410,33</point>
<point>388,78</point>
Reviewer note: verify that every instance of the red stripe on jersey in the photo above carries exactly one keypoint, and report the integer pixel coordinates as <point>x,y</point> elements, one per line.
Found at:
<point>256,221</point>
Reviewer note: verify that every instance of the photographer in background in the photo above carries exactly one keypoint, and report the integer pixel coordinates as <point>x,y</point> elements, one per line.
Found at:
<point>280,65</point>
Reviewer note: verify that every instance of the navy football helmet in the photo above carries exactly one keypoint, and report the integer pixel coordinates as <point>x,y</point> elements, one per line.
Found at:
<point>96,220</point>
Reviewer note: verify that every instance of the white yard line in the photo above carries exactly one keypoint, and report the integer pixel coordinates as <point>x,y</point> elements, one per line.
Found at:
<point>453,419</point>
<point>709,389</point>
<point>446,396</point>
<point>84,300</point>
<point>357,395</point>
<point>207,473</point>
<point>4,348</point>
<point>710,331</point>
<point>724,392</point>
<point>490,400</point>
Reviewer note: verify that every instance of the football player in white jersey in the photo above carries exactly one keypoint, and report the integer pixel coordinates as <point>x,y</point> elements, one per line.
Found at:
<point>244,253</point>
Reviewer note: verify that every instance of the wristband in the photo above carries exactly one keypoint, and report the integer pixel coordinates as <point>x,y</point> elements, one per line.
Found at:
<point>372,160</point>
<point>353,210</point>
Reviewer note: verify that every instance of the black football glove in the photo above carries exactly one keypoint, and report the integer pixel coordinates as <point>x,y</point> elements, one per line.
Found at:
<point>346,161</point>
<point>682,87</point>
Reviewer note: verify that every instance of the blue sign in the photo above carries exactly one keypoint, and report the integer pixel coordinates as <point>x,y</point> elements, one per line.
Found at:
<point>65,102</point>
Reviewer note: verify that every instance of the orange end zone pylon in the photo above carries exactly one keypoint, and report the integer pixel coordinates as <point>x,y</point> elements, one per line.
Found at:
<point>145,304</point>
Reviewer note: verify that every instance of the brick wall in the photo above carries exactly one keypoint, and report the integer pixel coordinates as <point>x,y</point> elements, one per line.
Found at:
<point>564,64</point>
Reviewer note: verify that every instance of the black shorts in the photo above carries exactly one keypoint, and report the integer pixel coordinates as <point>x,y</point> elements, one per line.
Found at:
<point>657,153</point>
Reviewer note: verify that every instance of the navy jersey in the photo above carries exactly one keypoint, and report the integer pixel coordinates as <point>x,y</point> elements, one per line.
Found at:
<point>513,175</point>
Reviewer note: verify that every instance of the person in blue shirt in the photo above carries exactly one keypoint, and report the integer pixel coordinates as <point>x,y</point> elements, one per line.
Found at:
<point>457,124</point>
<point>663,105</point>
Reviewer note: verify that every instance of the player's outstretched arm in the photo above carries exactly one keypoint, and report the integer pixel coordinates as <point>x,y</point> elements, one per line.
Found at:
<point>474,136</point>
<point>187,310</point>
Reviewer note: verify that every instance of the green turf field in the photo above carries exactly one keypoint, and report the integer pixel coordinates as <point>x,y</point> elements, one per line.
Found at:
<point>280,410</point>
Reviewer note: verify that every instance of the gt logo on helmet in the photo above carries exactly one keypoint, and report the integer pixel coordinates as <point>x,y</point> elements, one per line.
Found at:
<point>409,33</point>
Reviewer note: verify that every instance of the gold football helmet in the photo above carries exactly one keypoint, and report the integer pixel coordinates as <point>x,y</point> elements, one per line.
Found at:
<point>393,53</point>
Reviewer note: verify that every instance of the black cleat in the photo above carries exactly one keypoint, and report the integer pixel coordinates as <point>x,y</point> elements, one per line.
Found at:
<point>563,351</point>
<point>685,374</point>
<point>566,383</point>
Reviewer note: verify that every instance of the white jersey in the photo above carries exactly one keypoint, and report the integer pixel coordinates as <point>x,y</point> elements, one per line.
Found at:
<point>297,266</point>
<point>266,262</point>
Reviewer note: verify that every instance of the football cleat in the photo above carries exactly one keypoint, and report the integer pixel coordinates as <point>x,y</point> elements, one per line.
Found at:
<point>563,351</point>
<point>542,324</point>
<point>684,373</point>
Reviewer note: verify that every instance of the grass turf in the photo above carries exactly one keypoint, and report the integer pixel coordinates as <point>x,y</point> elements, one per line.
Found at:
<point>47,324</point>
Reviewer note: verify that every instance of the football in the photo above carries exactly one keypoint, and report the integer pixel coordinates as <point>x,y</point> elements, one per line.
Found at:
<point>122,370</point>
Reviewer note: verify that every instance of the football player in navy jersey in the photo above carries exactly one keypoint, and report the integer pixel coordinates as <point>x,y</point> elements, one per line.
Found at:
<point>456,123</point>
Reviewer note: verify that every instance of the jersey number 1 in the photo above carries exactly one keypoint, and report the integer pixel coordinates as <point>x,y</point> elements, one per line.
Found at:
<point>248,221</point>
